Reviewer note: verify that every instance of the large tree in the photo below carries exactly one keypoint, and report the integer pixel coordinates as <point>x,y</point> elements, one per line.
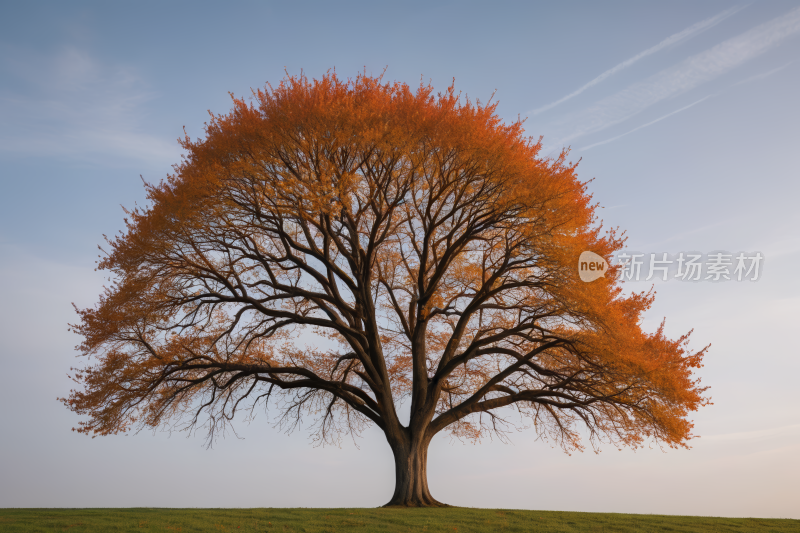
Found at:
<point>362,253</point>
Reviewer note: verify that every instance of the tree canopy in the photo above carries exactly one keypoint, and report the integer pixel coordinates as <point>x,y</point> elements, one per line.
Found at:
<point>362,253</point>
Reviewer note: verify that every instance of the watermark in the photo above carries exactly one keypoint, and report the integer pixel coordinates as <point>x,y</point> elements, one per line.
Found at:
<point>591,266</point>
<point>715,266</point>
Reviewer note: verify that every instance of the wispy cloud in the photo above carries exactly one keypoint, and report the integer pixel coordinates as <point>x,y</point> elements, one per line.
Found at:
<point>689,32</point>
<point>763,74</point>
<point>747,80</point>
<point>659,119</point>
<point>71,105</point>
<point>684,76</point>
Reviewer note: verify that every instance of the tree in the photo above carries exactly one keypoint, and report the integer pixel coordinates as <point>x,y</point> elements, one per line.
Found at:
<point>343,248</point>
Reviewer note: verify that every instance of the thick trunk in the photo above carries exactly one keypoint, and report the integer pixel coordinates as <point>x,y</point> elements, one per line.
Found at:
<point>411,475</point>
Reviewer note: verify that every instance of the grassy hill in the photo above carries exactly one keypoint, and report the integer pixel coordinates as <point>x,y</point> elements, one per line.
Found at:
<point>458,520</point>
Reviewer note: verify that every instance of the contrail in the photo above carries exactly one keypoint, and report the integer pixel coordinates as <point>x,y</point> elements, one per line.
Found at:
<point>672,39</point>
<point>748,80</point>
<point>612,139</point>
<point>763,74</point>
<point>686,75</point>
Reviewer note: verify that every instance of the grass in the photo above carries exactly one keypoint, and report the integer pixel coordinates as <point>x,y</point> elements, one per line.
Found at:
<point>454,520</point>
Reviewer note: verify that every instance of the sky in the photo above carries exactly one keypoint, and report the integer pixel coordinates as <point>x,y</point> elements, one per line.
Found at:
<point>683,114</point>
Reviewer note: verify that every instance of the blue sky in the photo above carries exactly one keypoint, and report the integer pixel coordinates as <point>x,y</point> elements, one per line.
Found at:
<point>685,114</point>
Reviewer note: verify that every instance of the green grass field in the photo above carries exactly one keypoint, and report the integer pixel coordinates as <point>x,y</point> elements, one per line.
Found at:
<point>460,520</point>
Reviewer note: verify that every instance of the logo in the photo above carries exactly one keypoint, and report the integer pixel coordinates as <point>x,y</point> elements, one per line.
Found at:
<point>591,266</point>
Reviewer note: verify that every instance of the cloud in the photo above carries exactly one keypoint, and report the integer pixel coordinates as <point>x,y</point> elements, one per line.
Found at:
<point>746,80</point>
<point>689,32</point>
<point>762,75</point>
<point>689,74</point>
<point>612,139</point>
<point>68,104</point>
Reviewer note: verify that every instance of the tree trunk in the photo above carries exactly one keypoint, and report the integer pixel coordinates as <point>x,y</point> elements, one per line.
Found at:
<point>411,475</point>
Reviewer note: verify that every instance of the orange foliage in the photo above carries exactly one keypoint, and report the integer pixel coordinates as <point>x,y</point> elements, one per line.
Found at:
<point>342,246</point>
